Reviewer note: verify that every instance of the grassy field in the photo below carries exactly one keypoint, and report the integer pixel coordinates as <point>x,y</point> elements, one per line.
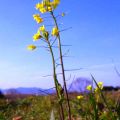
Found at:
<point>29,107</point>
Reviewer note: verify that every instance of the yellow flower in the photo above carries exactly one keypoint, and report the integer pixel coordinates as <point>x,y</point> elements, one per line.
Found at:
<point>100,86</point>
<point>55,3</point>
<point>31,47</point>
<point>63,14</point>
<point>37,18</point>
<point>39,5</point>
<point>37,36</point>
<point>42,28</point>
<point>43,7</point>
<point>49,8</point>
<point>43,10</point>
<point>89,87</point>
<point>55,31</point>
<point>46,3</point>
<point>96,89</point>
<point>79,97</point>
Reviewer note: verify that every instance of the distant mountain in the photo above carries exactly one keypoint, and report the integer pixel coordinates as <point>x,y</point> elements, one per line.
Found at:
<point>79,85</point>
<point>33,91</point>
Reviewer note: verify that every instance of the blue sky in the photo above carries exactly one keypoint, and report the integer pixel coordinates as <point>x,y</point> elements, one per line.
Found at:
<point>95,40</point>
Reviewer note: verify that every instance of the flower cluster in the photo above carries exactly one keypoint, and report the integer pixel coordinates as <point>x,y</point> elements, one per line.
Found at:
<point>37,36</point>
<point>37,18</point>
<point>99,87</point>
<point>43,7</point>
<point>50,37</point>
<point>47,6</point>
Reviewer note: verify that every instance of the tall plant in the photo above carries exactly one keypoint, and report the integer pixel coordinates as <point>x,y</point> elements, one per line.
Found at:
<point>49,37</point>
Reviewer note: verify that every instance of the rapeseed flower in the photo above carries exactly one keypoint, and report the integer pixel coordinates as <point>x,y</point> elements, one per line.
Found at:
<point>63,14</point>
<point>42,28</point>
<point>55,3</point>
<point>31,47</point>
<point>37,36</point>
<point>100,86</point>
<point>47,6</point>
<point>89,87</point>
<point>43,10</point>
<point>39,6</point>
<point>37,18</point>
<point>55,31</point>
<point>79,97</point>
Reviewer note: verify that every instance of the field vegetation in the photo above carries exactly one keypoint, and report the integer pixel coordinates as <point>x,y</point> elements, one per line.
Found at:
<point>31,107</point>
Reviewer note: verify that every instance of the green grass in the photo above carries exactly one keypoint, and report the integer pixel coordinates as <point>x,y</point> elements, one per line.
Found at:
<point>40,107</point>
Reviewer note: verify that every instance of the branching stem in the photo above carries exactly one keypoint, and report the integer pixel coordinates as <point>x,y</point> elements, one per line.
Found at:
<point>62,65</point>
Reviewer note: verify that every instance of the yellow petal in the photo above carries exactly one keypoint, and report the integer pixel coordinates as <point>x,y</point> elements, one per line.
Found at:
<point>63,14</point>
<point>37,18</point>
<point>80,97</point>
<point>42,28</point>
<point>89,87</point>
<point>55,31</point>
<point>31,47</point>
<point>37,36</point>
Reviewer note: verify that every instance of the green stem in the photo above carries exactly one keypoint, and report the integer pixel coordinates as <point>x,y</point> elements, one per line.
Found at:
<point>55,78</point>
<point>94,104</point>
<point>62,66</point>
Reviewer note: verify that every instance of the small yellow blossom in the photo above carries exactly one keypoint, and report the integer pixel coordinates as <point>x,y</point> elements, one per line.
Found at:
<point>89,87</point>
<point>96,89</point>
<point>100,86</point>
<point>63,14</point>
<point>49,8</point>
<point>37,18</point>
<point>31,47</point>
<point>55,3</point>
<point>42,28</point>
<point>43,10</point>
<point>44,7</point>
<point>37,36</point>
<point>79,97</point>
<point>55,31</point>
<point>39,5</point>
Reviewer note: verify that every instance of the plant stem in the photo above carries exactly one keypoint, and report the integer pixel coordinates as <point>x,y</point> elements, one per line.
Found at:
<point>55,78</point>
<point>62,66</point>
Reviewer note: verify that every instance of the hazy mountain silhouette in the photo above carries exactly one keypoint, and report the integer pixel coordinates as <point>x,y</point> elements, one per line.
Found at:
<point>33,91</point>
<point>79,84</point>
